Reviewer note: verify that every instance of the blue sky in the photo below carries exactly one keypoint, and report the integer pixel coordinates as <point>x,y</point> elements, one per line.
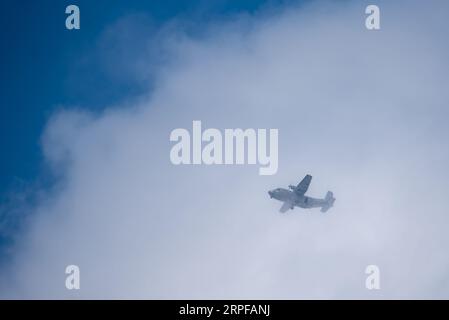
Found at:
<point>41,67</point>
<point>46,67</point>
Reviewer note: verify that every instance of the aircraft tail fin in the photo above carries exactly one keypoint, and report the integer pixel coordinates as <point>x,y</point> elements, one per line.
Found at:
<point>329,201</point>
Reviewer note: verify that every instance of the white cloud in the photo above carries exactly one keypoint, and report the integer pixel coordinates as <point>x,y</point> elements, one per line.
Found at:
<point>362,111</point>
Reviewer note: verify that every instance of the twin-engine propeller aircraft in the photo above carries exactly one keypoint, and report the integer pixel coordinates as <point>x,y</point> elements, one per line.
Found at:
<point>295,197</point>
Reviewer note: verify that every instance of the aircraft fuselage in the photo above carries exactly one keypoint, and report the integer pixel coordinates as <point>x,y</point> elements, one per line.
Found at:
<point>294,199</point>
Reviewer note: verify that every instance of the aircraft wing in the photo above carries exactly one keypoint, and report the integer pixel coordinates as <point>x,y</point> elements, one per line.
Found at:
<point>287,205</point>
<point>302,187</point>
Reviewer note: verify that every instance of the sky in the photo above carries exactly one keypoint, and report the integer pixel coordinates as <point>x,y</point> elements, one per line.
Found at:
<point>58,68</point>
<point>87,179</point>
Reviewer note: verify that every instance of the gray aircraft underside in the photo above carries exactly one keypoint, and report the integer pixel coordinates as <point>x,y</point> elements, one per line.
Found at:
<point>296,197</point>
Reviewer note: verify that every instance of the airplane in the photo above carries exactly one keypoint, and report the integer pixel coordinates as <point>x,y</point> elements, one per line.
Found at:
<point>295,197</point>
